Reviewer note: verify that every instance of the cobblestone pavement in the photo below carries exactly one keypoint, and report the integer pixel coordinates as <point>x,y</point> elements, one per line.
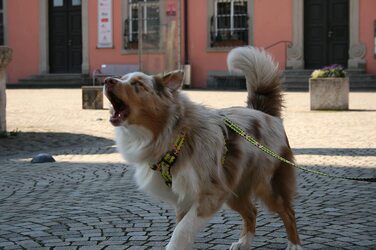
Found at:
<point>87,198</point>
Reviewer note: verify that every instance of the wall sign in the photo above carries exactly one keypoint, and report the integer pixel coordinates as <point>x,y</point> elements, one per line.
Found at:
<point>105,30</point>
<point>171,9</point>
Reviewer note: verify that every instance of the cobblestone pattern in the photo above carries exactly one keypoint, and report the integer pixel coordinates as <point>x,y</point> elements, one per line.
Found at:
<point>88,200</point>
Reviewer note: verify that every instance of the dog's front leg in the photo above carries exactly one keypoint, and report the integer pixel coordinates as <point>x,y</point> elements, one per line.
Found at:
<point>195,219</point>
<point>184,234</point>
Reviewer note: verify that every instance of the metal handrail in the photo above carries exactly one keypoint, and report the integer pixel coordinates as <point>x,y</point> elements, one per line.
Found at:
<point>287,44</point>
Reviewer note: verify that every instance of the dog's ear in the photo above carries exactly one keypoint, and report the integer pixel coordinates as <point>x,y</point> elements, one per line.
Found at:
<point>173,80</point>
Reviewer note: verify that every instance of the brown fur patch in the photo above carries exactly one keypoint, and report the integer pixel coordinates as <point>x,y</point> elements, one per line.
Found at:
<point>247,210</point>
<point>278,197</point>
<point>256,129</point>
<point>209,203</point>
<point>231,167</point>
<point>268,98</point>
<point>283,180</point>
<point>146,107</point>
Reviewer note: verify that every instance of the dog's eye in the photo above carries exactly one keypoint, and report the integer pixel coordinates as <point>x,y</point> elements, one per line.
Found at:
<point>139,86</point>
<point>136,85</point>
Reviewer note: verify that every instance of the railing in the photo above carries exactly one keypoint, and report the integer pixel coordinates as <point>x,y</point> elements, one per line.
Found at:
<point>287,44</point>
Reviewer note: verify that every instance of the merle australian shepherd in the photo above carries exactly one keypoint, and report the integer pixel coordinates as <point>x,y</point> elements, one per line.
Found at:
<point>215,166</point>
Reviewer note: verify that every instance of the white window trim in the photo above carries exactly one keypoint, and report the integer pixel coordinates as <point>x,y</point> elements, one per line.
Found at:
<point>231,16</point>
<point>212,9</point>
<point>127,13</point>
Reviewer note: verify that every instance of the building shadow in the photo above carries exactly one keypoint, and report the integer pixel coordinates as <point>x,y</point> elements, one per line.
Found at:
<point>72,199</point>
<point>336,151</point>
<point>28,143</point>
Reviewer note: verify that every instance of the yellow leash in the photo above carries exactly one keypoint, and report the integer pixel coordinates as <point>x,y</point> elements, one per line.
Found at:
<point>234,127</point>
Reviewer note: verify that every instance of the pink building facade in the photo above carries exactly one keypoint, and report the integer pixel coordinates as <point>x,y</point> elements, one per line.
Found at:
<point>64,36</point>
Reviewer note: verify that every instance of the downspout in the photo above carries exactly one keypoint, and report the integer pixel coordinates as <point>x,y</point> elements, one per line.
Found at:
<point>186,51</point>
<point>187,66</point>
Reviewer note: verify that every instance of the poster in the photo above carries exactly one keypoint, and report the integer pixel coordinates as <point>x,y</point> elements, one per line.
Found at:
<point>105,30</point>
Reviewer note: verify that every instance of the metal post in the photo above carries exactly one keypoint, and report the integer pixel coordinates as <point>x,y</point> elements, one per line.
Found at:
<point>5,58</point>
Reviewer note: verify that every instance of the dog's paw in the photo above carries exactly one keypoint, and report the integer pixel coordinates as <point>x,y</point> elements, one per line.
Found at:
<point>239,246</point>
<point>244,242</point>
<point>174,246</point>
<point>291,246</point>
<point>170,247</point>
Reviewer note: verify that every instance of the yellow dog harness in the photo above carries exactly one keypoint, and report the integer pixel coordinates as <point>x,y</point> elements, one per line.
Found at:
<point>169,159</point>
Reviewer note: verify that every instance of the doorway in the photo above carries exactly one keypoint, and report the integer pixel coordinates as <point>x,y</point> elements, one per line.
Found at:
<point>65,36</point>
<point>326,33</point>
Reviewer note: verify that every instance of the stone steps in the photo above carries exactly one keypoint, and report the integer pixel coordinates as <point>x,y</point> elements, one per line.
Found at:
<point>359,80</point>
<point>293,80</point>
<point>53,81</point>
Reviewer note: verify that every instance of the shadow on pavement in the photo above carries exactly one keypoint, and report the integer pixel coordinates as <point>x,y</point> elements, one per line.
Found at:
<point>98,205</point>
<point>33,142</point>
<point>336,151</point>
<point>75,144</point>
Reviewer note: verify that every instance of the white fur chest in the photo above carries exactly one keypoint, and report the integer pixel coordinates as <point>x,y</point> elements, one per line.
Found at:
<point>132,142</point>
<point>151,182</point>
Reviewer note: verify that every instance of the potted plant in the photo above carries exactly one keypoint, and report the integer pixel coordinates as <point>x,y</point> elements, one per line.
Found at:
<point>329,88</point>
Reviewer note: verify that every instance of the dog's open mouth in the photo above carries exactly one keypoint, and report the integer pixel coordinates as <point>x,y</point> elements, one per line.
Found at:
<point>121,109</point>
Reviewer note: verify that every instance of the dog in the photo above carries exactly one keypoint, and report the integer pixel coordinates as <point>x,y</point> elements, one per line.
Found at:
<point>213,166</point>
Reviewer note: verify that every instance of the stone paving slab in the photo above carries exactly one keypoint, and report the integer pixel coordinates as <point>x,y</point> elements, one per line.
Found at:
<point>88,200</point>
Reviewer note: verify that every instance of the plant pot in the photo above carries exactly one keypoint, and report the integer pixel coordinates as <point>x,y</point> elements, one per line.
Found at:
<point>329,93</point>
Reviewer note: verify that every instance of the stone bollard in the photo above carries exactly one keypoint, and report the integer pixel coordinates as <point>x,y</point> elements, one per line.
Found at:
<point>92,97</point>
<point>5,58</point>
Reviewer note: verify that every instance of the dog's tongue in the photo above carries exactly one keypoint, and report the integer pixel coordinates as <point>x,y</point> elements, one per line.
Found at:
<point>118,117</point>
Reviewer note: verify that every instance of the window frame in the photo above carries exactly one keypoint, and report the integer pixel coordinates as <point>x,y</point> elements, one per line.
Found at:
<point>212,10</point>
<point>126,14</point>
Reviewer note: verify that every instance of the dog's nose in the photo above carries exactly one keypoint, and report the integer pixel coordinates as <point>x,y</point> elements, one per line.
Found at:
<point>109,81</point>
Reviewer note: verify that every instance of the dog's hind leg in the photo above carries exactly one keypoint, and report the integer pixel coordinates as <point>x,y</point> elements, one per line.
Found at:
<point>248,212</point>
<point>278,198</point>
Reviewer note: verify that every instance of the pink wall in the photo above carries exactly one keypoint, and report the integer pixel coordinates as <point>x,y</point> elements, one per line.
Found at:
<point>200,59</point>
<point>23,38</point>
<point>152,62</point>
<point>367,19</point>
<point>272,23</point>
<point>103,56</point>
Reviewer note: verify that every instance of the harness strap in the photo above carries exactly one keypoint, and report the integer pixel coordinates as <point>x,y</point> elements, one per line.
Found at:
<point>234,127</point>
<point>168,160</point>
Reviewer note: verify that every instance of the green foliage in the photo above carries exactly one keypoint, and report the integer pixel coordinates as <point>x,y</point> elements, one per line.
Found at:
<point>334,70</point>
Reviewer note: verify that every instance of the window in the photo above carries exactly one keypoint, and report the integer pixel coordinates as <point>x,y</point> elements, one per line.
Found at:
<point>58,3</point>
<point>1,23</point>
<point>142,15</point>
<point>76,2</point>
<point>229,23</point>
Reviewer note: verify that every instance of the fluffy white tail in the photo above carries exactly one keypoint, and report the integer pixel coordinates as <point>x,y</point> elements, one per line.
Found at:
<point>263,78</point>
